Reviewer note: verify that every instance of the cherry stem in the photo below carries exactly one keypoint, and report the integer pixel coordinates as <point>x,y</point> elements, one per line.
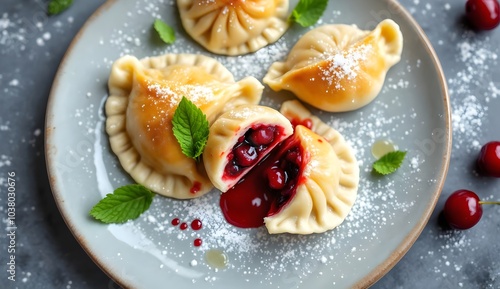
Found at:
<point>488,203</point>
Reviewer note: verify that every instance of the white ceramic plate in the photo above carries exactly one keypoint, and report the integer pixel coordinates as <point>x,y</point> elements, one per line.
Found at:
<point>391,211</point>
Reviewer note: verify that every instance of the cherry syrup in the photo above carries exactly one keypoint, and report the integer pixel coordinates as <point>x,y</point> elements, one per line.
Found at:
<point>267,188</point>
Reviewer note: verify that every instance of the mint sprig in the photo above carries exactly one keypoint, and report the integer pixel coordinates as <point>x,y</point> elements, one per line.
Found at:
<point>308,12</point>
<point>389,163</point>
<point>166,33</point>
<point>191,128</point>
<point>125,203</point>
<point>58,6</point>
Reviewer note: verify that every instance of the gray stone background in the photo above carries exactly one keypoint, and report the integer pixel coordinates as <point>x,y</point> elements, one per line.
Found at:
<point>47,256</point>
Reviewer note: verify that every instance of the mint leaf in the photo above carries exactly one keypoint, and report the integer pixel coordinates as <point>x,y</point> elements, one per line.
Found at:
<point>166,33</point>
<point>58,6</point>
<point>389,163</point>
<point>125,203</point>
<point>191,128</point>
<point>308,12</point>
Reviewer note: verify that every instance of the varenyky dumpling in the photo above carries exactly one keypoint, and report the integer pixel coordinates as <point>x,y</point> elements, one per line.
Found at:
<point>330,178</point>
<point>338,67</point>
<point>307,184</point>
<point>143,97</point>
<point>239,139</point>
<point>234,27</point>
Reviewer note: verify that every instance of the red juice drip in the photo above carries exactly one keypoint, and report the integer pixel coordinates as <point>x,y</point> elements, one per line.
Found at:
<point>197,242</point>
<point>176,222</point>
<point>184,226</point>
<point>196,225</point>
<point>195,188</point>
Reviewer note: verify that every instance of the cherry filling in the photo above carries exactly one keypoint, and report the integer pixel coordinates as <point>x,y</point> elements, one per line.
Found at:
<point>267,188</point>
<point>250,148</point>
<point>307,122</point>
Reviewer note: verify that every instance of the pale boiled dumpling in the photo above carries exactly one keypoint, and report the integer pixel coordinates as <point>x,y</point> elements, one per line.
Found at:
<point>143,97</point>
<point>234,27</point>
<point>329,185</point>
<point>233,128</point>
<point>338,67</point>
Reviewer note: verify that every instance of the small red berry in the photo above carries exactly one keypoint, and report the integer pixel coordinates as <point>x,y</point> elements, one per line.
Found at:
<point>462,209</point>
<point>246,155</point>
<point>483,14</point>
<point>262,136</point>
<point>276,178</point>
<point>488,160</point>
<point>294,156</point>
<point>232,169</point>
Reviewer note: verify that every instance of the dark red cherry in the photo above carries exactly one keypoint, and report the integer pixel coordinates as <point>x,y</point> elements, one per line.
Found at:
<point>294,156</point>
<point>462,209</point>
<point>262,136</point>
<point>246,155</point>
<point>483,14</point>
<point>488,160</point>
<point>276,178</point>
<point>232,169</point>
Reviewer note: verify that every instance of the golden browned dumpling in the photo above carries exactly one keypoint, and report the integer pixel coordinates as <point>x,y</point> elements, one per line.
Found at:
<point>307,184</point>
<point>328,178</point>
<point>338,67</point>
<point>143,97</point>
<point>234,27</point>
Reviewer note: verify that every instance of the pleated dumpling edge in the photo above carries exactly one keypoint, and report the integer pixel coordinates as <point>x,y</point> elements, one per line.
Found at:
<point>143,97</point>
<point>234,27</point>
<point>329,190</point>
<point>338,67</point>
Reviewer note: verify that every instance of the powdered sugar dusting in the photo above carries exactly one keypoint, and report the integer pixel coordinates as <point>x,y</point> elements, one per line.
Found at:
<point>256,255</point>
<point>344,65</point>
<point>469,109</point>
<point>173,95</point>
<point>383,205</point>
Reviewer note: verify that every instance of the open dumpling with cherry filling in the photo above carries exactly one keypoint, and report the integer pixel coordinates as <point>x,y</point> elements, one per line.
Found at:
<point>144,95</point>
<point>234,27</point>
<point>338,67</point>
<point>239,139</point>
<point>307,184</point>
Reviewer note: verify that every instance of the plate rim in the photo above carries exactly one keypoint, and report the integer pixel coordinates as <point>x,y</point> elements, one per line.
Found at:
<point>375,274</point>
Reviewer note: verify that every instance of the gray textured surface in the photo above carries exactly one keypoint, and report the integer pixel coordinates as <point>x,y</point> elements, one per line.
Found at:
<point>47,255</point>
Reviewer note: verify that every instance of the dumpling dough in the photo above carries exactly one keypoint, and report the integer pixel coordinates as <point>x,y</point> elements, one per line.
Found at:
<point>330,179</point>
<point>228,130</point>
<point>234,27</point>
<point>338,67</point>
<point>143,97</point>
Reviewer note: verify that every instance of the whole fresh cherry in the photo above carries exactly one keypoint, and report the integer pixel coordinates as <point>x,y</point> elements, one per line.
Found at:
<point>483,14</point>
<point>488,160</point>
<point>463,209</point>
